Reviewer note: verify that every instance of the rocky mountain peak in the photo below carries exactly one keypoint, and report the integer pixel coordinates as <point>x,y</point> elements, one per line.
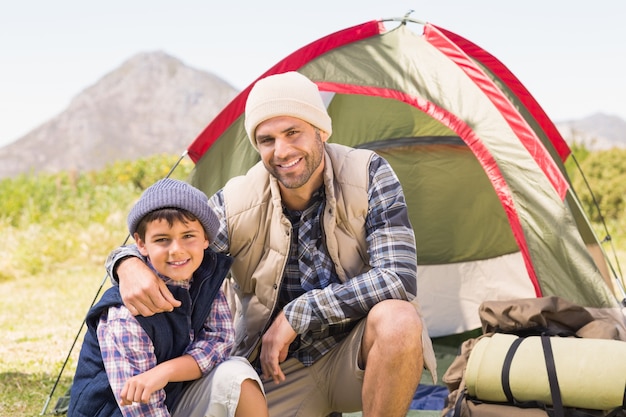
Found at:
<point>152,103</point>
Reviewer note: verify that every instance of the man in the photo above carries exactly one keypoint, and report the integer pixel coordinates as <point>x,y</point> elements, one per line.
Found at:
<point>324,265</point>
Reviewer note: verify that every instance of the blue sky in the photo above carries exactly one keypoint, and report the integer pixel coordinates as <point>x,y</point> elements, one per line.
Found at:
<point>569,54</point>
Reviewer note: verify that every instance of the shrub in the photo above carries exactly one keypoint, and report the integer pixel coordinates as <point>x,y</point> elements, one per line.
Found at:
<point>53,220</point>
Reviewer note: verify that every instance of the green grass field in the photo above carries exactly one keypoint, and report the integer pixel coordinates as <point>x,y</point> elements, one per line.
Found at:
<point>40,317</point>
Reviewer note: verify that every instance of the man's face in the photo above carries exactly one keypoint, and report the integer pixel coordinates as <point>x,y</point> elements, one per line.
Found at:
<point>292,150</point>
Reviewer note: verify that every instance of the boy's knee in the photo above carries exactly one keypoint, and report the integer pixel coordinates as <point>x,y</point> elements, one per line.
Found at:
<point>235,370</point>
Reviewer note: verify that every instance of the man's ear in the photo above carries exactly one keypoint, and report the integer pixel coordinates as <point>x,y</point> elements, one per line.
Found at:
<point>323,135</point>
<point>141,245</point>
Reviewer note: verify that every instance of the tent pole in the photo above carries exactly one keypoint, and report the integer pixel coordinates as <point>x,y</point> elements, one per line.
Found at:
<point>104,280</point>
<point>95,298</point>
<point>404,20</point>
<point>617,275</point>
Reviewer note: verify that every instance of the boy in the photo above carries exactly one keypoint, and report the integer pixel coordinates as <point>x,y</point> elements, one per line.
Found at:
<point>138,366</point>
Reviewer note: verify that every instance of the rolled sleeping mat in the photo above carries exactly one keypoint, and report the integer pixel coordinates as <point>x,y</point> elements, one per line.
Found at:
<point>591,373</point>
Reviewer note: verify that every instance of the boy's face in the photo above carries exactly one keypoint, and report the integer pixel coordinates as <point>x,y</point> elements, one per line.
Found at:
<point>176,251</point>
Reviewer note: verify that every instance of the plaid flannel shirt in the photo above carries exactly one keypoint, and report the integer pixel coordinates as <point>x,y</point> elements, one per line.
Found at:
<point>320,308</point>
<point>127,350</point>
<point>324,310</point>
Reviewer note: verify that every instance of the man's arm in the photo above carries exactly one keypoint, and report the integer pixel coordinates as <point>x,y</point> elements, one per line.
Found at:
<point>275,347</point>
<point>393,261</point>
<point>142,291</point>
<point>116,257</point>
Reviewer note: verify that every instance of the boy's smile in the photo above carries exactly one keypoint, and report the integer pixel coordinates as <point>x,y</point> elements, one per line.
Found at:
<point>175,251</point>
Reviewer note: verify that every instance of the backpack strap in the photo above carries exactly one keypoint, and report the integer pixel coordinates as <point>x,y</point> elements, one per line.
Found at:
<point>458,405</point>
<point>555,391</point>
<point>506,370</point>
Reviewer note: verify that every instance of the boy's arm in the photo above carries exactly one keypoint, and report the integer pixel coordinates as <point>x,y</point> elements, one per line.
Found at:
<point>211,347</point>
<point>214,342</point>
<point>139,388</point>
<point>127,351</point>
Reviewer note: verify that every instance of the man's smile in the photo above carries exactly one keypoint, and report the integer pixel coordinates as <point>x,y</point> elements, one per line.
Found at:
<point>289,164</point>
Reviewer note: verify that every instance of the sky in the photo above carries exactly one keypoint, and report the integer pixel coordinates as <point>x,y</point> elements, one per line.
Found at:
<point>570,54</point>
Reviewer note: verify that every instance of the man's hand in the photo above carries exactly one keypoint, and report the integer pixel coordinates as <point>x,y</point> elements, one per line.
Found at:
<point>275,346</point>
<point>142,291</point>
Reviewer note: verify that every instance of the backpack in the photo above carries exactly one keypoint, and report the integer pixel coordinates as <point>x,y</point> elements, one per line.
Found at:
<point>540,333</point>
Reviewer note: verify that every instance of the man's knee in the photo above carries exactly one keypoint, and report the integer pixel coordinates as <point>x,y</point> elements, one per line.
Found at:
<point>396,328</point>
<point>390,317</point>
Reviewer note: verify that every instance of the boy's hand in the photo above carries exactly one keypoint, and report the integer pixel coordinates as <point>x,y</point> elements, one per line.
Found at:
<point>142,291</point>
<point>139,388</point>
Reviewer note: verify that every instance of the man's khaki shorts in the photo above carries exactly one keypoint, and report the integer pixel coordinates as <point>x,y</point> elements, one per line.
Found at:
<point>332,384</point>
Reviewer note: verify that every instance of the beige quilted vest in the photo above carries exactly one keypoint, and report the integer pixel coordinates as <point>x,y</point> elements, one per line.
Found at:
<point>259,237</point>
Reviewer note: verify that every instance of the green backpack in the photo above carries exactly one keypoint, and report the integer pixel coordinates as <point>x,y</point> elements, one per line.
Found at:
<point>495,374</point>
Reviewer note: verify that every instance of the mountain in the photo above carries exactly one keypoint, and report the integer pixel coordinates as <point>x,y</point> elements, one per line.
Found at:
<point>597,132</point>
<point>152,103</point>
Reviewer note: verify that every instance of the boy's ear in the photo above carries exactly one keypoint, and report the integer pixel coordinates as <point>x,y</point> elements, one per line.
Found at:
<point>141,245</point>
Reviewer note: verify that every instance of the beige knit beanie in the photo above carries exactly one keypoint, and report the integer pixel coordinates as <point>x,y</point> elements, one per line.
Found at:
<point>287,94</point>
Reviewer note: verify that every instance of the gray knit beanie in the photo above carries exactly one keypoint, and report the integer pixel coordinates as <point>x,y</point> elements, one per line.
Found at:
<point>287,94</point>
<point>170,193</point>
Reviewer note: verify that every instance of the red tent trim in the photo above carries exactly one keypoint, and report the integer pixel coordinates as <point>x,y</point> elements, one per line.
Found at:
<point>473,142</point>
<point>514,84</point>
<point>519,125</point>
<point>293,62</point>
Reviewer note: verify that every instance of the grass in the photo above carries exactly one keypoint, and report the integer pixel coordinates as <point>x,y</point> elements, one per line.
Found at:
<point>40,318</point>
<point>56,232</point>
<point>41,315</point>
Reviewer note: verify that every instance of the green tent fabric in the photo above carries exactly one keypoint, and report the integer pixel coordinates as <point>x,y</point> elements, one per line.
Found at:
<point>481,164</point>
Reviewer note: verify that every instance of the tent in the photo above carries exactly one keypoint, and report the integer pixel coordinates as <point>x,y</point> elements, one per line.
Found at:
<point>481,164</point>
